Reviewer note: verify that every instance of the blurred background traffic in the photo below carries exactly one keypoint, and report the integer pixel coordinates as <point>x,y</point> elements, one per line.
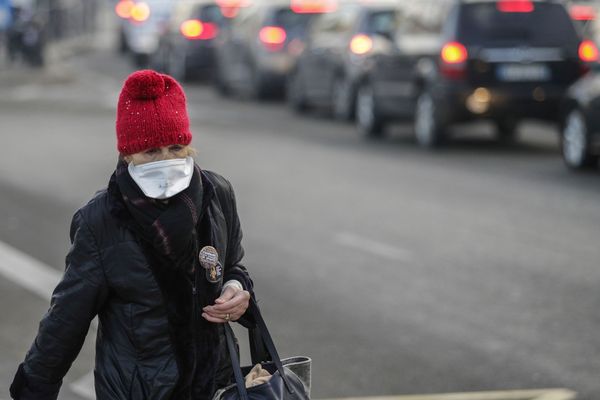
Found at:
<point>417,180</point>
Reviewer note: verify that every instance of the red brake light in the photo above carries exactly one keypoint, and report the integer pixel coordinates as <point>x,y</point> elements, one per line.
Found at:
<point>361,44</point>
<point>515,6</point>
<point>230,8</point>
<point>140,12</point>
<point>588,52</point>
<point>123,8</point>
<point>454,53</point>
<point>273,37</point>
<point>313,6</point>
<point>198,30</point>
<point>583,13</point>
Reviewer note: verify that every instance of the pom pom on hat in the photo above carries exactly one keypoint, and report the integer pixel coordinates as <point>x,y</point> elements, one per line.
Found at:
<point>145,85</point>
<point>151,113</point>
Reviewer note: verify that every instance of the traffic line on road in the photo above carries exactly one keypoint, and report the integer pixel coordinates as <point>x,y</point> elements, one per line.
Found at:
<point>537,394</point>
<point>373,247</point>
<point>27,272</point>
<point>40,279</point>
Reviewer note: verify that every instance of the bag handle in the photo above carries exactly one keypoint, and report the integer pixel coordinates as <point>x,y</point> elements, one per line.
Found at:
<point>268,342</point>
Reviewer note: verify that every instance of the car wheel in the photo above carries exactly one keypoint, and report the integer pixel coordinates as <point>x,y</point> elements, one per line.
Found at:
<point>141,60</point>
<point>575,142</point>
<point>506,130</point>
<point>341,99</point>
<point>427,124</point>
<point>260,88</point>
<point>367,119</point>
<point>176,65</point>
<point>295,96</point>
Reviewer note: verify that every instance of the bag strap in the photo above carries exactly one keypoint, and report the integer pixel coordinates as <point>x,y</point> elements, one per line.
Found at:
<point>258,350</point>
<point>268,342</point>
<point>235,363</point>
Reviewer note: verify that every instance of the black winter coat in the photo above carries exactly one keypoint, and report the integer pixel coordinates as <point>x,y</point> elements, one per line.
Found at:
<point>109,273</point>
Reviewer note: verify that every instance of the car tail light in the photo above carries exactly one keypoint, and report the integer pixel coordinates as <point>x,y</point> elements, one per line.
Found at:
<point>197,30</point>
<point>454,53</point>
<point>588,52</point>
<point>582,13</point>
<point>453,60</point>
<point>515,6</point>
<point>230,8</point>
<point>313,6</point>
<point>361,44</point>
<point>140,12</point>
<point>123,8</point>
<point>273,37</point>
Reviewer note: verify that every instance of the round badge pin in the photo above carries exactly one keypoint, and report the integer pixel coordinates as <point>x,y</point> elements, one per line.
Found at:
<point>209,259</point>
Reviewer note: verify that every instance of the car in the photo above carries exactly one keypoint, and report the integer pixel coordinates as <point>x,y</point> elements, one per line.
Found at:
<point>580,112</point>
<point>186,44</point>
<point>347,56</point>
<point>140,24</point>
<point>496,60</point>
<point>259,46</point>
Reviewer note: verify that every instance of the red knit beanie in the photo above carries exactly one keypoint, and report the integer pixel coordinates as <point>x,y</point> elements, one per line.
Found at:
<point>151,113</point>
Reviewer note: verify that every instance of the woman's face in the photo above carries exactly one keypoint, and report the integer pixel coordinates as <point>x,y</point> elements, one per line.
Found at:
<point>159,154</point>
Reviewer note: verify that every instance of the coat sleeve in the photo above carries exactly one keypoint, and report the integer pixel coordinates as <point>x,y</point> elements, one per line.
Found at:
<point>62,331</point>
<point>234,269</point>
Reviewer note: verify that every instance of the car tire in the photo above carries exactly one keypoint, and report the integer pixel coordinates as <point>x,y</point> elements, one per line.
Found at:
<point>428,128</point>
<point>368,121</point>
<point>141,60</point>
<point>176,65</point>
<point>575,142</point>
<point>342,103</point>
<point>506,130</point>
<point>294,92</point>
<point>260,88</point>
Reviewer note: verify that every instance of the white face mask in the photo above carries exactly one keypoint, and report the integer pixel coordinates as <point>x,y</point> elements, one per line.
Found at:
<point>163,179</point>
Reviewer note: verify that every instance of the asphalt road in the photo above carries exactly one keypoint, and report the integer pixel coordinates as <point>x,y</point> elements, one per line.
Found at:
<point>398,270</point>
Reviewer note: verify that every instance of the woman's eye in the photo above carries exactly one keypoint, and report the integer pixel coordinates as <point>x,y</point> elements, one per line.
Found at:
<point>176,148</point>
<point>151,151</point>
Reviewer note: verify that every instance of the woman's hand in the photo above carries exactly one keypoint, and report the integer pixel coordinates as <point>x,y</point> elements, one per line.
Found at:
<point>230,306</point>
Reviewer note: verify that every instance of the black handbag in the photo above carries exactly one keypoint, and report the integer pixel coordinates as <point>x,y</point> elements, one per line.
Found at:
<point>290,378</point>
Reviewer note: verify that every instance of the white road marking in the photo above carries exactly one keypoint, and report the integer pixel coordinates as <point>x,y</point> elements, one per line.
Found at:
<point>538,394</point>
<point>28,272</point>
<point>40,279</point>
<point>367,245</point>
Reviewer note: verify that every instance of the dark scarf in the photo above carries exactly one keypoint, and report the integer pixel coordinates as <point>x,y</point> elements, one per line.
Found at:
<point>172,233</point>
<point>169,227</point>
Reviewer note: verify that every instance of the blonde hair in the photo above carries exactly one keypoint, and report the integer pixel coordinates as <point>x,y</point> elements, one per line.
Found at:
<point>190,152</point>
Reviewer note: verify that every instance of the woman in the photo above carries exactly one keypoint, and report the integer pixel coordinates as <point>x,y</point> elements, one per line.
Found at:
<point>157,257</point>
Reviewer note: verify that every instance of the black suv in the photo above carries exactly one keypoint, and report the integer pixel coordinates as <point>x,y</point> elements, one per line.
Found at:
<point>503,60</point>
<point>343,49</point>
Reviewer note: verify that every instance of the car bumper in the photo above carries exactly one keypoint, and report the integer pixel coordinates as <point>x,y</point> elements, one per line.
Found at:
<point>461,102</point>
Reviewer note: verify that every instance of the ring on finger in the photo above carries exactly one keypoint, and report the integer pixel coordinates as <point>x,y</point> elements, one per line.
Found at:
<point>227,317</point>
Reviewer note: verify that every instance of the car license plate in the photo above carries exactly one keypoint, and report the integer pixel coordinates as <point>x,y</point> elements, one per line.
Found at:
<point>523,73</point>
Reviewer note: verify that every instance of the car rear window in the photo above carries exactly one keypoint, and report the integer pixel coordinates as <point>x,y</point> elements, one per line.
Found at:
<point>546,25</point>
<point>288,19</point>
<point>382,21</point>
<point>209,13</point>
